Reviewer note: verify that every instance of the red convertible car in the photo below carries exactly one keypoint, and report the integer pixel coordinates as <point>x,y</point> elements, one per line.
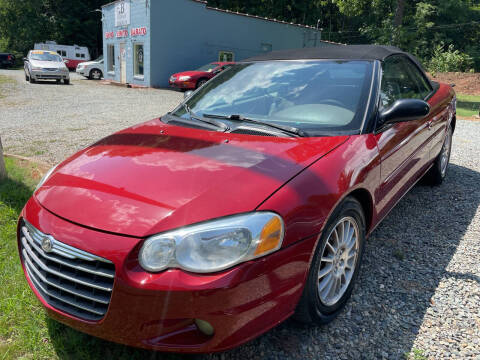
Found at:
<point>247,204</point>
<point>191,80</point>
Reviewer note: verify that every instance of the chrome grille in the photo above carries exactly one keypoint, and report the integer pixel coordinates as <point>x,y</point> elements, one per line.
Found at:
<point>69,279</point>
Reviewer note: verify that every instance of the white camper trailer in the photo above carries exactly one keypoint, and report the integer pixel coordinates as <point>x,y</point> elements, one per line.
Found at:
<point>73,53</point>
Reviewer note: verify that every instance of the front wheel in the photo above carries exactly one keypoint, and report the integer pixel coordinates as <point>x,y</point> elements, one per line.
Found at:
<point>201,82</point>
<point>438,171</point>
<point>66,81</point>
<point>95,74</point>
<point>335,265</point>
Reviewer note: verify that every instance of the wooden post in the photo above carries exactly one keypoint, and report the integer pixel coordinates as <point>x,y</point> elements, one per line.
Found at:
<point>3,171</point>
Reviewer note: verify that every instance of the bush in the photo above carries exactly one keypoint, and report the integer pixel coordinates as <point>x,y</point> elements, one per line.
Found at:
<point>450,60</point>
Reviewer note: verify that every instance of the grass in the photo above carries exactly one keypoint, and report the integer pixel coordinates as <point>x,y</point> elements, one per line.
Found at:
<point>4,80</point>
<point>468,105</point>
<point>415,354</point>
<point>25,331</point>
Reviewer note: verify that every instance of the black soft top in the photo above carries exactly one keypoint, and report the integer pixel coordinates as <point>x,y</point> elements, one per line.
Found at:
<point>335,52</point>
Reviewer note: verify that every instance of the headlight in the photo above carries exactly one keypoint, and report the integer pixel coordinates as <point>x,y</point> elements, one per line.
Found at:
<point>214,245</point>
<point>38,68</point>
<point>45,177</point>
<point>184,78</point>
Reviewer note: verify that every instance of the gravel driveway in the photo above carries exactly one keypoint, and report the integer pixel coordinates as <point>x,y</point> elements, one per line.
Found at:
<point>50,121</point>
<point>419,289</point>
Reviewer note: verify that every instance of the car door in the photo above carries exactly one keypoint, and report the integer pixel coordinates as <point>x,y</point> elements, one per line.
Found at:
<point>403,147</point>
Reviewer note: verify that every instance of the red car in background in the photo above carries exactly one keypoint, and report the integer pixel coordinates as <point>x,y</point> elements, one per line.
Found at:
<point>248,203</point>
<point>191,80</point>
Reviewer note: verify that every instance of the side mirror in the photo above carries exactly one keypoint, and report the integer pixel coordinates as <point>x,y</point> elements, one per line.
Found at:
<point>187,94</point>
<point>404,110</point>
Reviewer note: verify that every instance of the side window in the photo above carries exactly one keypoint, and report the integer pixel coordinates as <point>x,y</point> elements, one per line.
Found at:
<point>424,87</point>
<point>401,80</point>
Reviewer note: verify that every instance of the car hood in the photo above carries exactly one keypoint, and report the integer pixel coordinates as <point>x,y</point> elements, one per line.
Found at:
<point>191,73</point>
<point>47,64</point>
<point>155,177</point>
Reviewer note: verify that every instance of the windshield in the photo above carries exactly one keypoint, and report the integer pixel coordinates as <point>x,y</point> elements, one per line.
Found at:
<point>99,59</point>
<point>45,57</point>
<point>208,67</point>
<point>314,96</point>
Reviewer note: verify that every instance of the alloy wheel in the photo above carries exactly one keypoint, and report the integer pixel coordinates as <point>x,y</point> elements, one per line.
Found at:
<point>445,157</point>
<point>338,262</point>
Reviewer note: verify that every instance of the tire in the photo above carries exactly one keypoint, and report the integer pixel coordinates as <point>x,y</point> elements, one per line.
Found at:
<point>95,74</point>
<point>26,76</point>
<point>66,81</point>
<point>322,305</point>
<point>58,81</point>
<point>32,80</point>
<point>438,171</point>
<point>201,82</point>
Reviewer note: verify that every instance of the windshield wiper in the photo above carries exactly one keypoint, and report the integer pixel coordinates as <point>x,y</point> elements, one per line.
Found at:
<point>235,117</point>
<point>213,122</point>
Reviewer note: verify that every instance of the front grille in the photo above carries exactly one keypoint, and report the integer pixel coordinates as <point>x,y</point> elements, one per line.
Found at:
<point>69,279</point>
<point>50,69</point>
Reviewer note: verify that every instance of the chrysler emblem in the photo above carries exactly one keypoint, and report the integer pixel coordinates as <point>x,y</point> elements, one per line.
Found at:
<point>47,245</point>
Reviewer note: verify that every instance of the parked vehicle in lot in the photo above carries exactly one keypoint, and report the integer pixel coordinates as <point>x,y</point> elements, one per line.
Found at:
<point>190,80</point>
<point>7,60</point>
<point>91,69</point>
<point>248,203</point>
<point>73,53</point>
<point>45,65</point>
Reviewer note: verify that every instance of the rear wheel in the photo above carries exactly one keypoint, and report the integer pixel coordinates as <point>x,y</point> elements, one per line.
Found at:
<point>335,265</point>
<point>438,171</point>
<point>95,74</point>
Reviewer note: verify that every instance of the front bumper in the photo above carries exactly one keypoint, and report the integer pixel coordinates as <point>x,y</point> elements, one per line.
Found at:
<point>184,85</point>
<point>157,311</point>
<point>49,75</point>
<point>83,71</point>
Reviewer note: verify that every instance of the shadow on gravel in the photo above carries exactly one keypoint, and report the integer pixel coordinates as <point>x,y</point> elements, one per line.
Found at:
<point>404,261</point>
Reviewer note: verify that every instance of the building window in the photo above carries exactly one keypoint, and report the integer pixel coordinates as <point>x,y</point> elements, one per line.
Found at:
<point>111,58</point>
<point>138,60</point>
<point>62,53</point>
<point>226,56</point>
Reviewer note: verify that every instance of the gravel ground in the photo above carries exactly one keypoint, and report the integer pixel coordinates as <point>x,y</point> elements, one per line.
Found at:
<point>36,120</point>
<point>418,295</point>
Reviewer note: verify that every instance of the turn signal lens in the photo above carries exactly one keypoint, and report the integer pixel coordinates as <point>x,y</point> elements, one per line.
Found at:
<point>270,237</point>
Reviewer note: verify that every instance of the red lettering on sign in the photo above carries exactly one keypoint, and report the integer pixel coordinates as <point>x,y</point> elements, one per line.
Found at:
<point>109,35</point>
<point>122,33</point>
<point>141,31</point>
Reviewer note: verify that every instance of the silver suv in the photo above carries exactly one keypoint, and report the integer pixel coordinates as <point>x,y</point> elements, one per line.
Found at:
<point>45,65</point>
<point>91,69</point>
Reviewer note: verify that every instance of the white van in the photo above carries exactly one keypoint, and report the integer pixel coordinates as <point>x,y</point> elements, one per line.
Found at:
<point>73,53</point>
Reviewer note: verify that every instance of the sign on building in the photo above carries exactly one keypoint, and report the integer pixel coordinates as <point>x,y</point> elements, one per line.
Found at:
<point>122,13</point>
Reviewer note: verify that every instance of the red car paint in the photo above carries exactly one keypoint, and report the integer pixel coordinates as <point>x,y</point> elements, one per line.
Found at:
<point>195,77</point>
<point>72,64</point>
<point>109,197</point>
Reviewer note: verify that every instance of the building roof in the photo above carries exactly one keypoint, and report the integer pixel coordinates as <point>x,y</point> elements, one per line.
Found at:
<point>248,15</point>
<point>347,52</point>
